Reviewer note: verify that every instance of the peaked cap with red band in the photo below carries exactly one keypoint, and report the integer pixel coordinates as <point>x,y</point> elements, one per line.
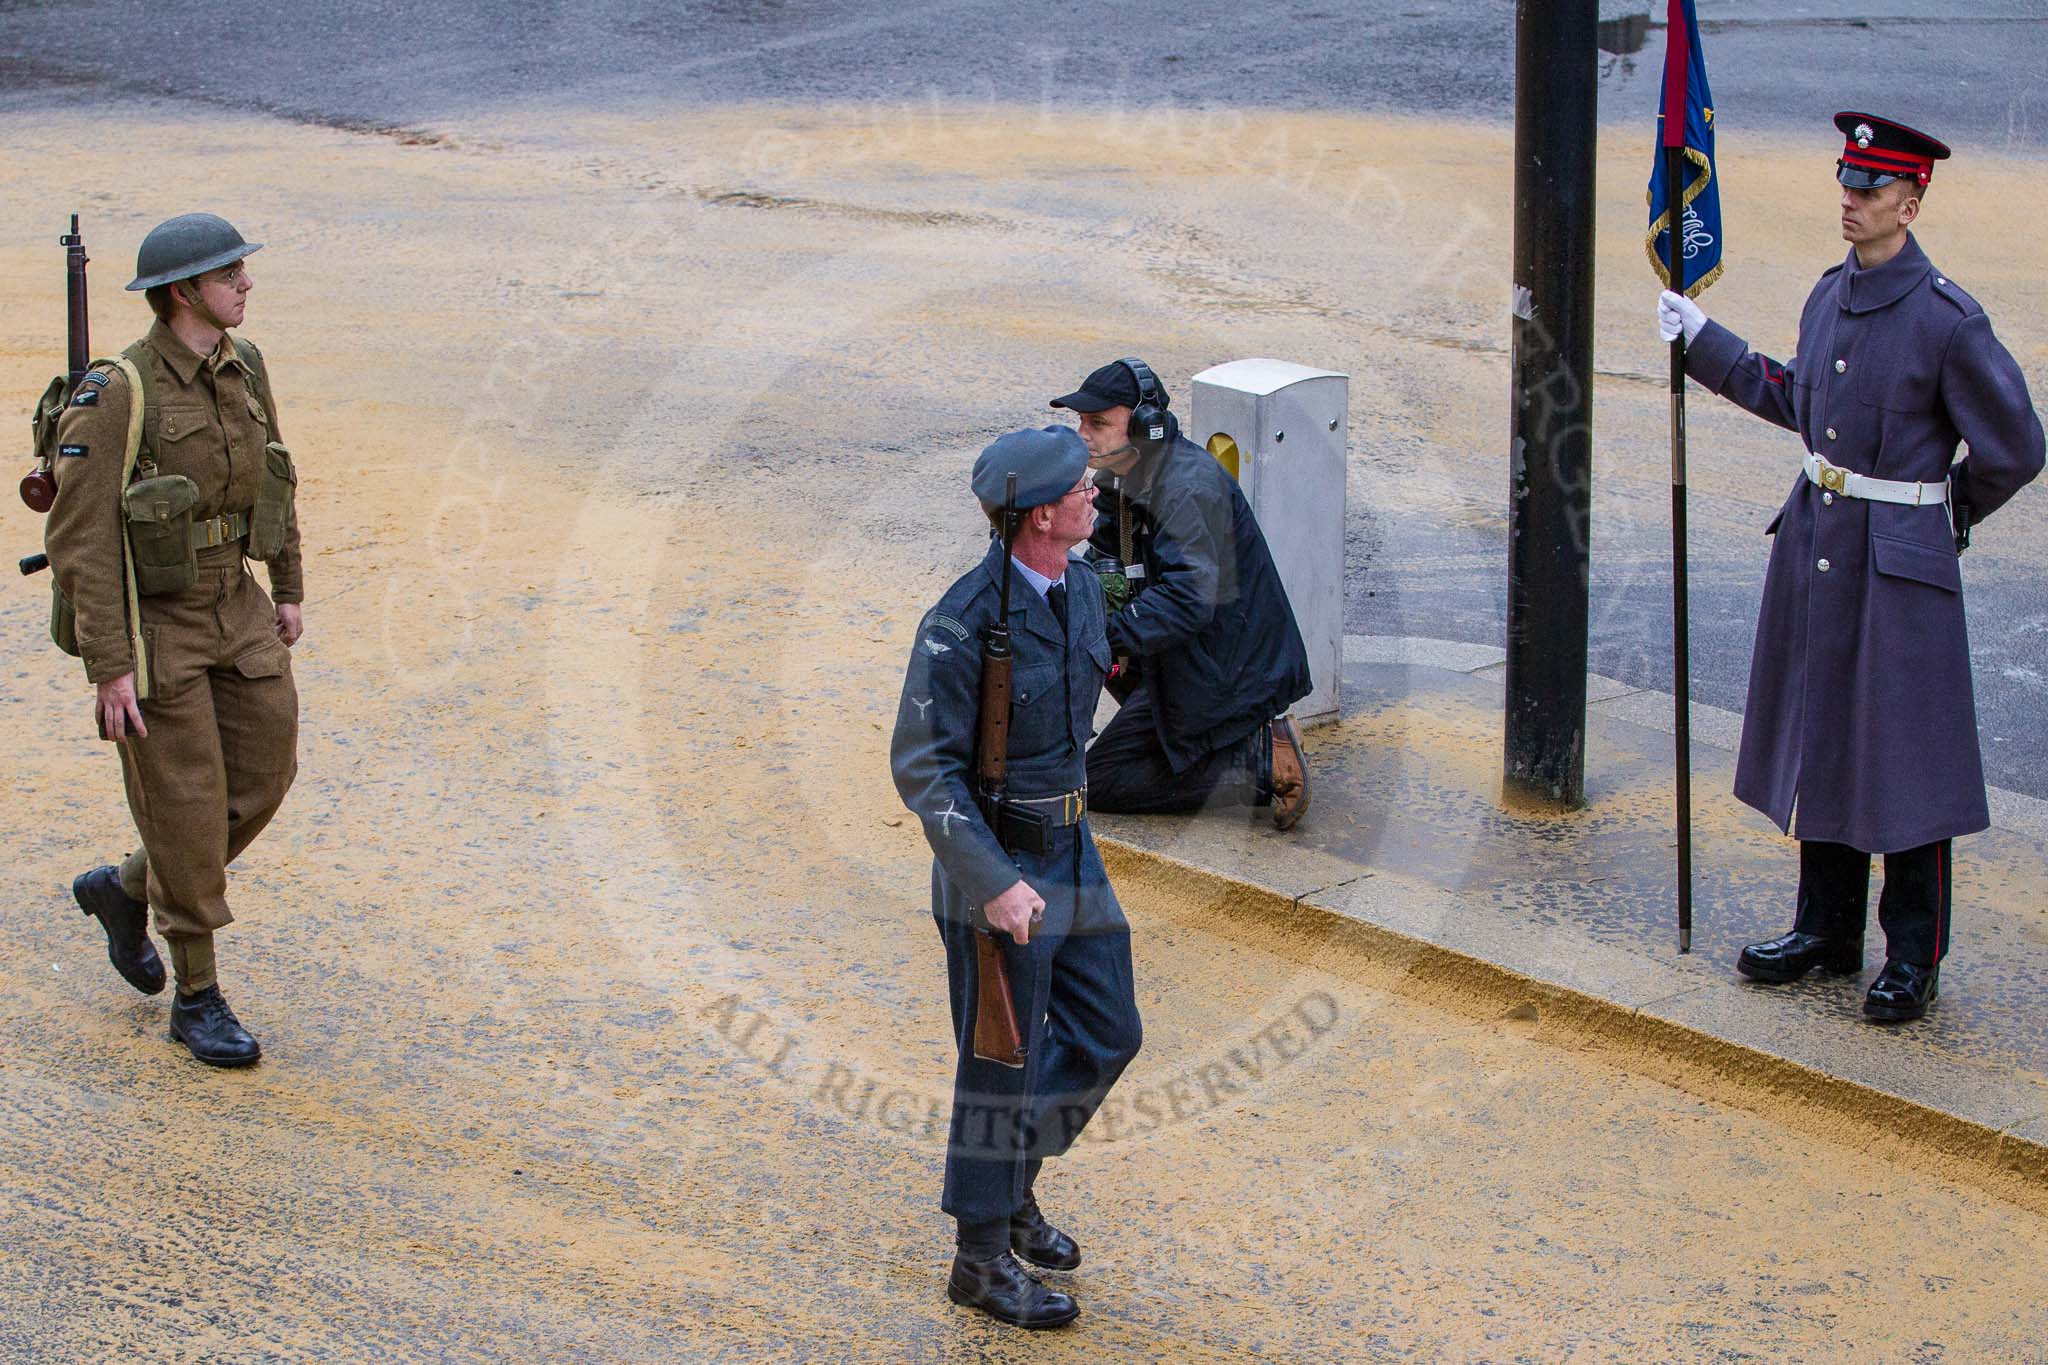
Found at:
<point>1880,151</point>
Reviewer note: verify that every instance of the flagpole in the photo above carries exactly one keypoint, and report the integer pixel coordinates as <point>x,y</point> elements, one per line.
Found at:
<point>1677,63</point>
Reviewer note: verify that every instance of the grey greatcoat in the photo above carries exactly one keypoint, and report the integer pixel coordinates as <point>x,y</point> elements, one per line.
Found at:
<point>1860,714</point>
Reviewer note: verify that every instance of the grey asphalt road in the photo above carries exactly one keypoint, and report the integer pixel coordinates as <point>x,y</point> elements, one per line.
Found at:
<point>1973,69</point>
<point>1973,66</point>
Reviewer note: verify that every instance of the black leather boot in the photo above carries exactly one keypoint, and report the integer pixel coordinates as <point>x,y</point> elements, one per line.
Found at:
<point>1039,1242</point>
<point>1006,1291</point>
<point>1791,956</point>
<point>126,921</point>
<point>1903,990</point>
<point>206,1025</point>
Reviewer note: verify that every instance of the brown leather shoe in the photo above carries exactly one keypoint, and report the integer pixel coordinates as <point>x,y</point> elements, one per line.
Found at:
<point>1290,774</point>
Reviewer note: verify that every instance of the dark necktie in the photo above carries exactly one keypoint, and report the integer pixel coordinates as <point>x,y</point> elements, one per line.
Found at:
<point>1056,598</point>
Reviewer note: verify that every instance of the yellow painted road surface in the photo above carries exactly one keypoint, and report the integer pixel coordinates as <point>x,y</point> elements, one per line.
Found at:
<point>602,1011</point>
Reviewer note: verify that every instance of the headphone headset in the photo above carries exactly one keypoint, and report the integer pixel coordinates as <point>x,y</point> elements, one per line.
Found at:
<point>1151,426</point>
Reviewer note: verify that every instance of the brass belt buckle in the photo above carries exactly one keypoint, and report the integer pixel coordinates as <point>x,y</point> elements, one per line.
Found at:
<point>1833,478</point>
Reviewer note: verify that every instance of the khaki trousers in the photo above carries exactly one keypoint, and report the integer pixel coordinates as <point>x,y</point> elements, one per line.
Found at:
<point>223,718</point>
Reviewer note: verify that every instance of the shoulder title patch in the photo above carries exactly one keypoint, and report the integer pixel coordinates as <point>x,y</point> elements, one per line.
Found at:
<point>947,623</point>
<point>75,452</point>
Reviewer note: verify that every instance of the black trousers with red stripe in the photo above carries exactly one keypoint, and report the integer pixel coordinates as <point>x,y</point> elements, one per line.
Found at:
<point>1834,897</point>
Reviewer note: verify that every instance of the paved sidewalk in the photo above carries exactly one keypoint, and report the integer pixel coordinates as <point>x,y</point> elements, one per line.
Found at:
<point>1407,833</point>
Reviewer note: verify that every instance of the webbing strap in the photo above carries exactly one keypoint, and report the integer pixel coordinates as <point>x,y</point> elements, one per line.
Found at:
<point>220,530</point>
<point>138,409</point>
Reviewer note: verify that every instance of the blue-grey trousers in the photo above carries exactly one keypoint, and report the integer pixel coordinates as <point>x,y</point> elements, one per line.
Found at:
<point>1078,1012</point>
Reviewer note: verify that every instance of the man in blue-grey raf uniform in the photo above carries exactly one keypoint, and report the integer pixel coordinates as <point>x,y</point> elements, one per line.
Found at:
<point>1860,715</point>
<point>1063,938</point>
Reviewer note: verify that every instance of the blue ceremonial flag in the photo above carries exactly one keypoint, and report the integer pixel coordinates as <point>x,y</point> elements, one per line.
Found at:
<point>1685,88</point>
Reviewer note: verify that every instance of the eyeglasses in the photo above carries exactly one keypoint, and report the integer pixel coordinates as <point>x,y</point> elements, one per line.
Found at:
<point>232,276</point>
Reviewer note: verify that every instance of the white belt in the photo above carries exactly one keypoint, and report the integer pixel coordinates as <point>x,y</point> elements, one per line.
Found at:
<point>1836,479</point>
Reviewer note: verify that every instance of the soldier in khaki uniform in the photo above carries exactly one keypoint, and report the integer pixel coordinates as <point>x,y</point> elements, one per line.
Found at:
<point>191,660</point>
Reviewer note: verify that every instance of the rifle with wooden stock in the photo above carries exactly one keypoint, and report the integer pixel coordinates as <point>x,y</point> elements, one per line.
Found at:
<point>39,485</point>
<point>996,1035</point>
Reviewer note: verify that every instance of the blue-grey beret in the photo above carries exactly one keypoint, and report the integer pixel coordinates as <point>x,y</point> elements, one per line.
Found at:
<point>1048,462</point>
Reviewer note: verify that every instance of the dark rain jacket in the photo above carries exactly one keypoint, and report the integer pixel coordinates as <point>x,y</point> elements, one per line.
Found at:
<point>1211,624</point>
<point>1860,714</point>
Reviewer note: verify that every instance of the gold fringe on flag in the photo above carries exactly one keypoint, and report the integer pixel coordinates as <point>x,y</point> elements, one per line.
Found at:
<point>1663,221</point>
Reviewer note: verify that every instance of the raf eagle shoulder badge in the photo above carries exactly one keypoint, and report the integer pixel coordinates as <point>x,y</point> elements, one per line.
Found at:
<point>935,624</point>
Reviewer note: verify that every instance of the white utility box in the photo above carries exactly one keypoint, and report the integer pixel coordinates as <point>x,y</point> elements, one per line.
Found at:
<point>1281,429</point>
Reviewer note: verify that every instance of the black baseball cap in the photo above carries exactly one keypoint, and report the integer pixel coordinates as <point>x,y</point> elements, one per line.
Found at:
<point>1112,386</point>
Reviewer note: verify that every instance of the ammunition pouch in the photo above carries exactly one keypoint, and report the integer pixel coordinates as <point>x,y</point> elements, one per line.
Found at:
<point>1021,829</point>
<point>275,496</point>
<point>63,622</point>
<point>159,516</point>
<point>1025,824</point>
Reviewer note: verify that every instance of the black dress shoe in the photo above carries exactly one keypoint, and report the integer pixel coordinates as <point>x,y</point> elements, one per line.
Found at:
<point>206,1025</point>
<point>1039,1242</point>
<point>1903,990</point>
<point>1005,1290</point>
<point>1791,956</point>
<point>126,921</point>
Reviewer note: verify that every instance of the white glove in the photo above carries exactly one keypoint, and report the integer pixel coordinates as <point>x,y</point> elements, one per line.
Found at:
<point>1675,311</point>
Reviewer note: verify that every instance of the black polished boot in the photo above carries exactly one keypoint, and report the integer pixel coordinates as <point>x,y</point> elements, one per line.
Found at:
<point>1791,956</point>
<point>1039,1242</point>
<point>1007,1291</point>
<point>206,1025</point>
<point>126,921</point>
<point>1903,990</point>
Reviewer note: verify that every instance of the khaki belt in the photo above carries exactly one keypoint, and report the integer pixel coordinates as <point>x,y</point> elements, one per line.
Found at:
<point>1063,808</point>
<point>219,530</point>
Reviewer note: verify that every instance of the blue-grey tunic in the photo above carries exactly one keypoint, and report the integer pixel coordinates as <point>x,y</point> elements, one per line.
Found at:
<point>1055,679</point>
<point>1860,715</point>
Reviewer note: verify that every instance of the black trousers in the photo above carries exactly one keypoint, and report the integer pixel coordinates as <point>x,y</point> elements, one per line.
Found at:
<point>1128,772</point>
<point>1834,897</point>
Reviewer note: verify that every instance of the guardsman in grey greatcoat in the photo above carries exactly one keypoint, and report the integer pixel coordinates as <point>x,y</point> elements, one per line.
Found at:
<point>1065,943</point>
<point>1860,725</point>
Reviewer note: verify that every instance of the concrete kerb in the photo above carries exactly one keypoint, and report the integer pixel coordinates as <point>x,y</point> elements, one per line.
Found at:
<point>2012,1163</point>
<point>1375,926</point>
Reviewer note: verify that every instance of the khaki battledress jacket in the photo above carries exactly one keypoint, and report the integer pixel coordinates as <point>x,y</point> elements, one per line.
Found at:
<point>222,710</point>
